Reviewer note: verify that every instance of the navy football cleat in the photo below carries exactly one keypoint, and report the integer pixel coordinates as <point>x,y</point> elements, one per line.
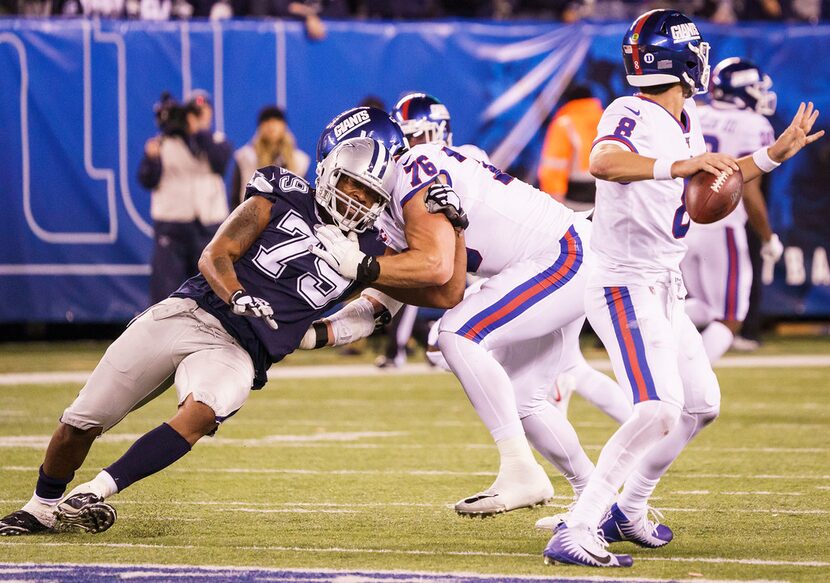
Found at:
<point>84,511</point>
<point>642,531</point>
<point>583,547</point>
<point>21,522</point>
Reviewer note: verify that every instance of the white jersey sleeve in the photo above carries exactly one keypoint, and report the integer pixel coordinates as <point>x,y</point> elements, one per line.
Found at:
<point>623,124</point>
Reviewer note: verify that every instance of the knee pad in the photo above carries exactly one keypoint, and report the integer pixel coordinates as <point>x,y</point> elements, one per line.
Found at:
<point>706,417</point>
<point>658,416</point>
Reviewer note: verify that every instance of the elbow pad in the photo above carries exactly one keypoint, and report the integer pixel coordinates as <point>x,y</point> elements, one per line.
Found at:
<point>355,321</point>
<point>390,304</point>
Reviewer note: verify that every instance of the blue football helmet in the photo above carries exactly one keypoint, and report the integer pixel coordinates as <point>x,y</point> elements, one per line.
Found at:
<point>665,46</point>
<point>361,122</point>
<point>423,119</point>
<point>742,83</point>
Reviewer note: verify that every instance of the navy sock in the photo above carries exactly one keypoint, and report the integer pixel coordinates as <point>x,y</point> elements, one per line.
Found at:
<point>50,488</point>
<point>153,452</point>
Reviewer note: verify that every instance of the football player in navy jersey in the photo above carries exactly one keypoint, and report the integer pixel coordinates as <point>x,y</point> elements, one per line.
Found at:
<point>259,290</point>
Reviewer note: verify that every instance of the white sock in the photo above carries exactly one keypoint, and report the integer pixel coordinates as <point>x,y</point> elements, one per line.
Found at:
<point>717,338</point>
<point>486,383</point>
<point>103,485</point>
<point>602,392</point>
<point>514,454</point>
<point>552,435</point>
<point>634,498</point>
<point>650,422</point>
<point>45,501</point>
<point>658,459</point>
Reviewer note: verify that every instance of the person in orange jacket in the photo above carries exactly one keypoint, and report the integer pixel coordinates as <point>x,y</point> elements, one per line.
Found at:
<point>563,168</point>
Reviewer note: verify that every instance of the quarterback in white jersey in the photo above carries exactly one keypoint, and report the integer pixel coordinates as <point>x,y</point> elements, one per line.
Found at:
<point>534,250</point>
<point>646,146</point>
<point>717,268</point>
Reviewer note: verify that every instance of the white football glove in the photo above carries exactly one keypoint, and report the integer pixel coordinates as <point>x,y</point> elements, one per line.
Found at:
<point>243,304</point>
<point>344,255</point>
<point>773,249</point>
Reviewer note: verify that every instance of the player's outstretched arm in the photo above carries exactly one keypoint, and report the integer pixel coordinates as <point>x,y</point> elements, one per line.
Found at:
<point>788,144</point>
<point>235,235</point>
<point>614,164</point>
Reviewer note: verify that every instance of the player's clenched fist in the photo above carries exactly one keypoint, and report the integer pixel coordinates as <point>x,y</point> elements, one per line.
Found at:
<point>243,304</point>
<point>712,162</point>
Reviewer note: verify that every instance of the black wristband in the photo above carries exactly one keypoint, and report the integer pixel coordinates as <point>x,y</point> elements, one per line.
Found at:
<point>236,294</point>
<point>321,333</point>
<point>368,270</point>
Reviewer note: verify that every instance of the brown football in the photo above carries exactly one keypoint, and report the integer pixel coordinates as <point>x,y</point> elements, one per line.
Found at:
<point>709,198</point>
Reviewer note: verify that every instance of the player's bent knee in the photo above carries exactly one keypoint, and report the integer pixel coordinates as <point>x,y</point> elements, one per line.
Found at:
<point>706,417</point>
<point>659,416</point>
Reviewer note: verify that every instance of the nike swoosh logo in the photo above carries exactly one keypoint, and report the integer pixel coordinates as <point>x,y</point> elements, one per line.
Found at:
<point>634,111</point>
<point>604,560</point>
<point>477,498</point>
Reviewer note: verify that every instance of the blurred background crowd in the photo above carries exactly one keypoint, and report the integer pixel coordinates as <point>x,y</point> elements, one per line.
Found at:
<point>312,11</point>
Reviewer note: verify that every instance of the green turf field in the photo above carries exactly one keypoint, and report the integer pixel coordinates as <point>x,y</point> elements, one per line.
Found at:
<point>359,473</point>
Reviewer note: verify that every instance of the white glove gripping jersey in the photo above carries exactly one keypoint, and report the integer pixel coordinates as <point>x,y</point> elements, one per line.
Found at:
<point>737,132</point>
<point>509,219</point>
<point>639,226</point>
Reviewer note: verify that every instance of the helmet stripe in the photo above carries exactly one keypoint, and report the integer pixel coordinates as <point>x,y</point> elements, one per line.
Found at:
<point>635,48</point>
<point>375,153</point>
<point>386,156</point>
<point>405,109</point>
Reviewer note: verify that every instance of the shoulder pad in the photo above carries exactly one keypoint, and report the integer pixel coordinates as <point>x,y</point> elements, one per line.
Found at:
<point>273,182</point>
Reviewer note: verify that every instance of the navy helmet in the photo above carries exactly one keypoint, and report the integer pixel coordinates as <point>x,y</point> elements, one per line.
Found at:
<point>665,46</point>
<point>742,83</point>
<point>361,122</point>
<point>423,116</point>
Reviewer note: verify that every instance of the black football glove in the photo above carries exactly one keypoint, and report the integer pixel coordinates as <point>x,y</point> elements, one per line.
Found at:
<point>441,198</point>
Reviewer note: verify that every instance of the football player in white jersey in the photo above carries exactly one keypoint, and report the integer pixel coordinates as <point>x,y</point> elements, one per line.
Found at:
<point>646,145</point>
<point>717,269</point>
<point>534,250</point>
<point>423,119</point>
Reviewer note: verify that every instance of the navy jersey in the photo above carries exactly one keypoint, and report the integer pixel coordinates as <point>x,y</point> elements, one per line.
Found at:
<point>279,269</point>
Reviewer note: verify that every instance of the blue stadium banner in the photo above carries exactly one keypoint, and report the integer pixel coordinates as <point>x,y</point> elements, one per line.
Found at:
<point>76,100</point>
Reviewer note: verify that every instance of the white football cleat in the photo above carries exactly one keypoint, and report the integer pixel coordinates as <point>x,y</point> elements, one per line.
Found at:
<point>563,389</point>
<point>525,489</point>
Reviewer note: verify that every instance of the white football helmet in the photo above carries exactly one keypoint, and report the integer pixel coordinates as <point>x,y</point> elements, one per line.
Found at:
<point>365,160</point>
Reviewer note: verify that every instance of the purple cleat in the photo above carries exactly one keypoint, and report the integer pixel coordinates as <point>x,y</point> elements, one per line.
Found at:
<point>642,531</point>
<point>581,546</point>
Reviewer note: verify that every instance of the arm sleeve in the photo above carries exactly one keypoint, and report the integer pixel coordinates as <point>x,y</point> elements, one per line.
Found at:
<point>149,172</point>
<point>621,125</point>
<point>555,164</point>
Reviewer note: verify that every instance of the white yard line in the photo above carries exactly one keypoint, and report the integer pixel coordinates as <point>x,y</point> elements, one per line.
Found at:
<point>279,372</point>
<point>342,472</point>
<point>284,549</point>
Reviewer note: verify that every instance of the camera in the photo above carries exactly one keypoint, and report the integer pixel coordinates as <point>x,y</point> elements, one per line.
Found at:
<point>171,116</point>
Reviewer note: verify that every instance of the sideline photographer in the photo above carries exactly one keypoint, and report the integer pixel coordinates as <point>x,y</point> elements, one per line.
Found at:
<point>184,166</point>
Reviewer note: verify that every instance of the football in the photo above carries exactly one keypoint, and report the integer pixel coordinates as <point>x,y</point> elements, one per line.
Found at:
<point>710,198</point>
